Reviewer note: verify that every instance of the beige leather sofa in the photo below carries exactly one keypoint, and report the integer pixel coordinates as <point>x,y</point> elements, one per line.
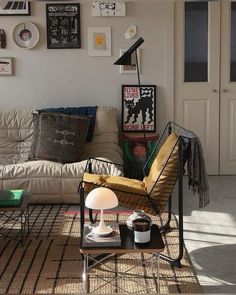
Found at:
<point>50,182</point>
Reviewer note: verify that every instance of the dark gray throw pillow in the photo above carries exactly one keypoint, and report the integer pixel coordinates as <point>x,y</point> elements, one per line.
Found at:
<point>61,138</point>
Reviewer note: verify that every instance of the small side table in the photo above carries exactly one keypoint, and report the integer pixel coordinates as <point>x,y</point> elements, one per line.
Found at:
<point>18,214</point>
<point>154,247</point>
<point>136,149</point>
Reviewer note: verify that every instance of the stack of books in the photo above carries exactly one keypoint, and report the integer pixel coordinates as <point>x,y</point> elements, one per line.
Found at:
<point>91,240</point>
<point>9,198</point>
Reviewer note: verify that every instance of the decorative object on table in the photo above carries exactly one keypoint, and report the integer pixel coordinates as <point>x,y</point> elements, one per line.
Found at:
<point>10,198</point>
<point>25,35</point>
<point>90,239</point>
<point>2,39</point>
<point>101,198</point>
<point>6,66</point>
<point>139,108</point>
<point>14,7</point>
<point>130,69</point>
<point>131,32</point>
<point>99,41</point>
<point>63,25</point>
<point>108,8</point>
<point>142,230</point>
<point>137,214</point>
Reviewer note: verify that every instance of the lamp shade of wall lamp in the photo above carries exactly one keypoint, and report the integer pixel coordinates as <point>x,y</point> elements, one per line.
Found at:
<point>125,59</point>
<point>99,199</point>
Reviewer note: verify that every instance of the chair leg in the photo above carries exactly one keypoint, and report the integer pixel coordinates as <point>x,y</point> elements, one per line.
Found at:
<point>166,227</point>
<point>176,261</point>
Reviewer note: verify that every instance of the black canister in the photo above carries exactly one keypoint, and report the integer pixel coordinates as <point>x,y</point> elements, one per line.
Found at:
<point>142,230</point>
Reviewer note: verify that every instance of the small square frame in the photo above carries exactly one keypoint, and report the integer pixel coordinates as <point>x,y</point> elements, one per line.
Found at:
<point>131,108</point>
<point>26,10</point>
<point>132,68</point>
<point>6,68</point>
<point>100,35</point>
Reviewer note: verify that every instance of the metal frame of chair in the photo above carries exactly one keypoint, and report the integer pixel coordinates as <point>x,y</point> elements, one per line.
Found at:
<point>94,165</point>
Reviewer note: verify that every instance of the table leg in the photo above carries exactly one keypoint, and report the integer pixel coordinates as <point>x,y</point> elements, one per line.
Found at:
<point>85,275</point>
<point>158,273</point>
<point>22,227</point>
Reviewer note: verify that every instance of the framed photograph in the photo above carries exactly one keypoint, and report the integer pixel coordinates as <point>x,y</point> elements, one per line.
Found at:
<point>6,66</point>
<point>14,8</point>
<point>108,8</point>
<point>99,41</point>
<point>63,25</point>
<point>132,69</point>
<point>138,107</point>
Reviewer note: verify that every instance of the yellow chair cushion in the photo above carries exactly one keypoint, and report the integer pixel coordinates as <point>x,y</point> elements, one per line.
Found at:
<point>165,169</point>
<point>116,182</point>
<point>131,193</point>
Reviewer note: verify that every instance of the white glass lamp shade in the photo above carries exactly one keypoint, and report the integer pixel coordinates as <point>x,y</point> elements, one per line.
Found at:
<point>101,198</point>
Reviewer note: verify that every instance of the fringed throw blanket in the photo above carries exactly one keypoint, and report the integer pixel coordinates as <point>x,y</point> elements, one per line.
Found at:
<point>197,171</point>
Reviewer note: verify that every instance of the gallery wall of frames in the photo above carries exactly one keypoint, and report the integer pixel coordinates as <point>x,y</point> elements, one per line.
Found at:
<point>60,53</point>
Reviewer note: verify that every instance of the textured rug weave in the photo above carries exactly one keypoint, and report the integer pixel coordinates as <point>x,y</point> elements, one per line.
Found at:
<point>50,261</point>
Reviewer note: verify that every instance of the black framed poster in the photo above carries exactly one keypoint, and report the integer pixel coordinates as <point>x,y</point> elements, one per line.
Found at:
<point>138,107</point>
<point>63,25</point>
<point>15,8</point>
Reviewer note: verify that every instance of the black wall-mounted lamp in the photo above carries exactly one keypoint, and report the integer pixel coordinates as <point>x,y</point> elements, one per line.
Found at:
<point>126,59</point>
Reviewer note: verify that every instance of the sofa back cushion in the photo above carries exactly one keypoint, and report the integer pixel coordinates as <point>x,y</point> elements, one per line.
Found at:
<point>105,136</point>
<point>16,130</point>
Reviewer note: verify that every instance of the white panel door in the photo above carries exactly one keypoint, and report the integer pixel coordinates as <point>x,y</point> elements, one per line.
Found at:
<point>228,89</point>
<point>197,102</point>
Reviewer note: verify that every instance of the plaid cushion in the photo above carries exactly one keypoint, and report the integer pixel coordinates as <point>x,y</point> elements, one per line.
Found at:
<point>59,138</point>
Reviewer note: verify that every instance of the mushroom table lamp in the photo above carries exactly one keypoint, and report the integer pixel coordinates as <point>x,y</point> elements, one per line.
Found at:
<point>99,199</point>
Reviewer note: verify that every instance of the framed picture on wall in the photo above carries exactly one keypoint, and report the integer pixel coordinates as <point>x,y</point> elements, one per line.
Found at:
<point>14,7</point>
<point>130,69</point>
<point>6,66</point>
<point>138,107</point>
<point>99,41</point>
<point>108,8</point>
<point>63,25</point>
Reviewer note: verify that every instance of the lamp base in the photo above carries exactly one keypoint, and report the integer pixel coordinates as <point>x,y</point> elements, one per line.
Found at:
<point>102,232</point>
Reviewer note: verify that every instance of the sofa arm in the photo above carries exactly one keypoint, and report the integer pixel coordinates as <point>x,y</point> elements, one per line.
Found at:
<point>101,166</point>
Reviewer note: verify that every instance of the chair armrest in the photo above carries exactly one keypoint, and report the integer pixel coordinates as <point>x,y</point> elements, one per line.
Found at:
<point>101,166</point>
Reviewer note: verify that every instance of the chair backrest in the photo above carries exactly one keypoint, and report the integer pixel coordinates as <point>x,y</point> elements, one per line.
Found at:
<point>163,173</point>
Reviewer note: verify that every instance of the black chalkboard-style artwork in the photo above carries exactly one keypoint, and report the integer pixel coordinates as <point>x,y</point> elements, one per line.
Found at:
<point>63,25</point>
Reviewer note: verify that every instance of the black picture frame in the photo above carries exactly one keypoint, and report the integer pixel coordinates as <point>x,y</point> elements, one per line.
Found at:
<point>132,105</point>
<point>63,25</point>
<point>13,8</point>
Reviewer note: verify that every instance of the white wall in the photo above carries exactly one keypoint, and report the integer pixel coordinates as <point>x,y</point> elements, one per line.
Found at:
<point>69,77</point>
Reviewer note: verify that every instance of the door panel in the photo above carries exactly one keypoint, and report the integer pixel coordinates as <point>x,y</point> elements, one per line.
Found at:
<point>196,114</point>
<point>228,89</point>
<point>197,103</point>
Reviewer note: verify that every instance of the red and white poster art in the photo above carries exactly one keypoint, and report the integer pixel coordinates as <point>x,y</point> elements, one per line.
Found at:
<point>138,107</point>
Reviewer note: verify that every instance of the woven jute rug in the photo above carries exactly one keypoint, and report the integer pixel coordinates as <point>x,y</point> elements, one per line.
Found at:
<point>50,261</point>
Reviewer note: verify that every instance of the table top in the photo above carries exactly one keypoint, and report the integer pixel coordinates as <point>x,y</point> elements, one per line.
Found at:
<point>139,136</point>
<point>23,204</point>
<point>127,243</point>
